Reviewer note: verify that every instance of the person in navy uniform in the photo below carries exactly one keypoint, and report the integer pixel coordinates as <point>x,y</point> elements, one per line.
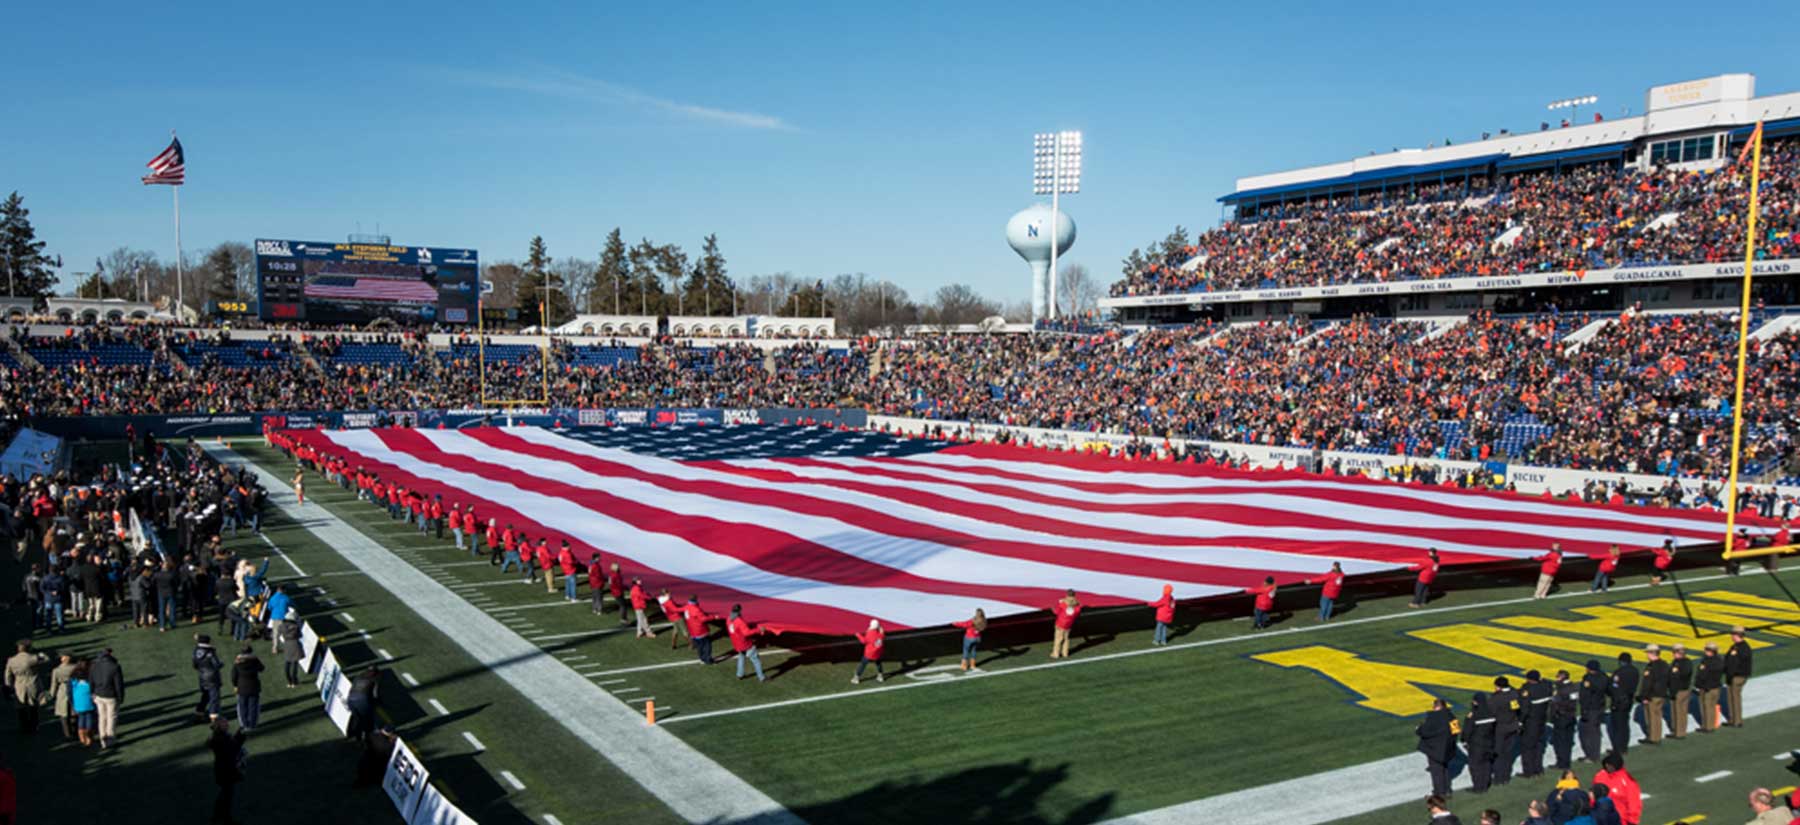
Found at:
<point>1622,699</point>
<point>1438,742</point>
<point>1478,742</point>
<point>1592,697</point>
<point>1505,703</point>
<point>1535,696</point>
<point>1564,710</point>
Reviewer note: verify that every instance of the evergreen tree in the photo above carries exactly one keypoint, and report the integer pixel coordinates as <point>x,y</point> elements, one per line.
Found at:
<point>612,276</point>
<point>539,284</point>
<point>715,287</point>
<point>29,272</point>
<point>219,274</point>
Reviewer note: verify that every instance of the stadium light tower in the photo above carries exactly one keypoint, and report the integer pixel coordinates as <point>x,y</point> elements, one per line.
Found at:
<point>1055,171</point>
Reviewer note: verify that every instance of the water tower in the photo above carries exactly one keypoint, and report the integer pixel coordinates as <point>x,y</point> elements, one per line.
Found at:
<point>1028,232</point>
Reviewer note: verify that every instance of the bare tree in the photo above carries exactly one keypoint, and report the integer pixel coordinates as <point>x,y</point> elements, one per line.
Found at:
<point>1077,291</point>
<point>959,304</point>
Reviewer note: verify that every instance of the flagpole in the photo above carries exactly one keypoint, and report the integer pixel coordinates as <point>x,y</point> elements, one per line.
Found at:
<point>180,297</point>
<point>1737,406</point>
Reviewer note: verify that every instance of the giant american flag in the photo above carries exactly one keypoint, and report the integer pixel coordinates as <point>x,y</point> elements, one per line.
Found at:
<point>821,530</point>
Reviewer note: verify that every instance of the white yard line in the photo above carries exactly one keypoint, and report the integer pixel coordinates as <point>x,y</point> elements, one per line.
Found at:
<point>439,707</point>
<point>1370,787</point>
<point>544,605</point>
<point>1715,775</point>
<point>284,556</point>
<point>382,652</point>
<point>481,584</point>
<point>550,819</point>
<point>348,619</point>
<point>627,690</point>
<point>695,787</point>
<point>613,682</point>
<point>512,780</point>
<point>606,632</point>
<point>473,742</point>
<point>409,680</point>
<point>1106,657</point>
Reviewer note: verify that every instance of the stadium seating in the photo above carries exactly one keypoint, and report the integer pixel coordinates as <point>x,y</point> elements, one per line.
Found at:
<point>381,355</point>
<point>1591,217</point>
<point>250,354</point>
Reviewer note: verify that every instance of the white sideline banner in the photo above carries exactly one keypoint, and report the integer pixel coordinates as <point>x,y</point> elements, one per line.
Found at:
<point>309,646</point>
<point>405,779</point>
<point>435,809</point>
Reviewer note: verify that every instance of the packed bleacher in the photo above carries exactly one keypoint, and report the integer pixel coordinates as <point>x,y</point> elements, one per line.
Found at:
<point>1592,217</point>
<point>1640,393</point>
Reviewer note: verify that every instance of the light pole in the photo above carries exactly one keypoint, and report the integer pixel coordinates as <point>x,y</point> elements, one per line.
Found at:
<point>1574,103</point>
<point>1055,171</point>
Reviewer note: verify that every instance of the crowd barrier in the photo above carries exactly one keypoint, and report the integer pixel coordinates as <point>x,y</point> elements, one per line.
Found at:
<point>1527,479</point>
<point>109,427</point>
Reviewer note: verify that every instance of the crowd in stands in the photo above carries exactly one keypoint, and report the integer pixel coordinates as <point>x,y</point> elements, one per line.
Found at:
<point>1592,217</point>
<point>1644,393</point>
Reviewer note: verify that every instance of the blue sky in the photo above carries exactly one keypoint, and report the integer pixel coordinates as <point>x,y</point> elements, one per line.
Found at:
<point>892,139</point>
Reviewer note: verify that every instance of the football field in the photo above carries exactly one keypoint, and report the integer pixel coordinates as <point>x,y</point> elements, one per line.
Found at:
<point>1121,728</point>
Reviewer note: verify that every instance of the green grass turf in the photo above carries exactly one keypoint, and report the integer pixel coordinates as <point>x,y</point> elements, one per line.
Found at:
<point>1068,744</point>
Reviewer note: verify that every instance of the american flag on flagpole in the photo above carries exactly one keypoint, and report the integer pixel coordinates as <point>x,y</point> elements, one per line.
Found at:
<point>169,167</point>
<point>819,530</point>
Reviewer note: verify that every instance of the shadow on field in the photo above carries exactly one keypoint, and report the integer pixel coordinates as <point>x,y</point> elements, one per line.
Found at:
<point>1003,794</point>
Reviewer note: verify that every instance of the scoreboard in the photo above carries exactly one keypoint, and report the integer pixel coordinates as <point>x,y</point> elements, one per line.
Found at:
<point>355,283</point>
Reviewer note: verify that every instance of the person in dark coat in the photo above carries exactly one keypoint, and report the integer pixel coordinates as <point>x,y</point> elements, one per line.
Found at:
<point>246,681</point>
<point>1594,686</point>
<point>207,668</point>
<point>364,698</point>
<point>1478,741</point>
<point>108,681</point>
<point>1438,744</point>
<point>1564,711</point>
<point>228,767</point>
<point>1623,699</point>
<point>1506,729</point>
<point>293,653</point>
<point>1567,800</point>
<point>1536,696</point>
<point>1438,808</point>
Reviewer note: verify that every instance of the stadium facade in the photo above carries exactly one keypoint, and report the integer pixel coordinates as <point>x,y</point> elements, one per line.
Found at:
<point>1697,125</point>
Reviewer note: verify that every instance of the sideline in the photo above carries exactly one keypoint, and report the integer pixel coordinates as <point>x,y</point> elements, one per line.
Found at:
<point>695,787</point>
<point>1329,796</point>
<point>991,673</point>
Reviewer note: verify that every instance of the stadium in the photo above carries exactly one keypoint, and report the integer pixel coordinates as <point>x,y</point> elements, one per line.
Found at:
<point>1420,479</point>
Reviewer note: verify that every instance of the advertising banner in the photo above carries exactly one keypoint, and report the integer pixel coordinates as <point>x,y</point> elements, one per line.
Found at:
<point>405,780</point>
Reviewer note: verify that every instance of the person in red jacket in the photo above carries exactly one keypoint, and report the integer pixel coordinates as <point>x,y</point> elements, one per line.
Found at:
<point>615,584</point>
<point>1548,564</point>
<point>1428,571</point>
<point>565,559</point>
<point>509,541</point>
<point>597,584</point>
<point>1265,602</point>
<point>672,612</point>
<point>696,620</point>
<point>1665,557</point>
<point>1603,575</point>
<point>456,525</point>
<point>494,544</point>
<point>972,639</point>
<point>743,640</point>
<point>1165,613</point>
<point>1330,588</point>
<point>872,640</point>
<point>1621,787</point>
<point>1065,612</point>
<point>547,563</point>
<point>638,602</point>
<point>437,516</point>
